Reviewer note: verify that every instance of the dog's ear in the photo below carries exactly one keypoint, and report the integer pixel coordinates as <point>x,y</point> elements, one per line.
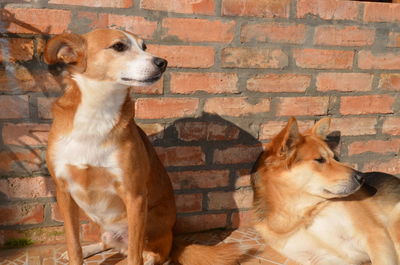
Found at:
<point>287,138</point>
<point>66,48</point>
<point>321,128</point>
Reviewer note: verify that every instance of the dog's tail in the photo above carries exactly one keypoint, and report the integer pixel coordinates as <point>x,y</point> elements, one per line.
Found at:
<point>185,253</point>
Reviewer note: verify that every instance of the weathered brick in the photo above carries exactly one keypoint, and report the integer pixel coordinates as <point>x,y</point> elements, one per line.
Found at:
<point>279,83</point>
<point>237,106</point>
<point>21,214</point>
<point>243,178</point>
<point>209,131</point>
<point>369,104</point>
<point>299,106</point>
<point>387,61</point>
<point>140,26</point>
<point>25,134</point>
<point>198,30</point>
<point>91,232</point>
<point>345,82</point>
<point>242,219</point>
<point>153,129</point>
<point>181,155</point>
<point>19,161</point>
<point>186,203</point>
<point>253,58</point>
<point>394,39</point>
<point>215,83</point>
<point>272,128</point>
<point>14,49</point>
<point>56,214</point>
<point>206,7</point>
<point>95,3</point>
<point>161,108</point>
<point>328,9</point>
<point>155,89</point>
<point>237,154</point>
<point>391,126</point>
<point>32,187</point>
<point>274,32</point>
<point>389,82</point>
<point>344,36</point>
<point>391,166</point>
<point>381,12</point>
<point>354,126</point>
<point>185,56</point>
<point>257,8</point>
<point>203,179</point>
<point>44,107</point>
<point>196,223</point>
<point>32,20</point>
<point>220,200</point>
<point>14,107</point>
<point>323,59</point>
<point>375,146</point>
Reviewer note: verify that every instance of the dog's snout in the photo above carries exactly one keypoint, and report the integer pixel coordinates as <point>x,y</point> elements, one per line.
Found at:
<point>359,176</point>
<point>160,63</point>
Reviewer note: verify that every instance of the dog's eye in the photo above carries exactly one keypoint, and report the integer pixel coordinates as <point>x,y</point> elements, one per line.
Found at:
<point>320,160</point>
<point>144,47</point>
<point>119,47</point>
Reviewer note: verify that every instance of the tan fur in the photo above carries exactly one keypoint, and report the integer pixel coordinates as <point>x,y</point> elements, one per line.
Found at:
<point>102,162</point>
<point>310,207</point>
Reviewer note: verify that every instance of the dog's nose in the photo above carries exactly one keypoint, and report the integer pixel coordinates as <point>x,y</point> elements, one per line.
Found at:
<point>359,176</point>
<point>160,63</point>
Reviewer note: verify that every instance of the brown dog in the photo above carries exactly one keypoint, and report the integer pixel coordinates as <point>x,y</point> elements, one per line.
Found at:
<point>312,208</point>
<point>102,162</point>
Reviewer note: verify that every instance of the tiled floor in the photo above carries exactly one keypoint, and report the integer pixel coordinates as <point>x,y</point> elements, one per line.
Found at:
<point>49,255</point>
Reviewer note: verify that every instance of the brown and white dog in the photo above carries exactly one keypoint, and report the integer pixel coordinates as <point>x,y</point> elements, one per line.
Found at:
<point>102,162</point>
<point>318,211</point>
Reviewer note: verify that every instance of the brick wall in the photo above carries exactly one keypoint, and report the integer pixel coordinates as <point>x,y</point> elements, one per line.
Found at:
<point>237,70</point>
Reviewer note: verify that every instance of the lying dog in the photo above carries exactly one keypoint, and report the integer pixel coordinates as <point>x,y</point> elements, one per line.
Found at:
<point>102,162</point>
<point>315,210</point>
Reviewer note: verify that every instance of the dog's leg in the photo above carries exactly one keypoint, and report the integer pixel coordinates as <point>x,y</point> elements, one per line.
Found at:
<point>70,212</point>
<point>394,229</point>
<point>380,248</point>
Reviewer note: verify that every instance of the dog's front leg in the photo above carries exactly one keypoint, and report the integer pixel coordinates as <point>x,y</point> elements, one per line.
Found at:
<point>70,212</point>
<point>136,207</point>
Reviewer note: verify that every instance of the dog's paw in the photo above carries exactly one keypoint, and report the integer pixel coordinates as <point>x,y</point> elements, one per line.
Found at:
<point>64,256</point>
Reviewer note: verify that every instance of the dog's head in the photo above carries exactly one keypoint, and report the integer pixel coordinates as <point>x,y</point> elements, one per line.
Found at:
<point>106,55</point>
<point>306,163</point>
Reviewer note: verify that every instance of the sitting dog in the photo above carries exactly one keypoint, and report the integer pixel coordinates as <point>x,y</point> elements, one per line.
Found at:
<point>316,210</point>
<point>102,162</point>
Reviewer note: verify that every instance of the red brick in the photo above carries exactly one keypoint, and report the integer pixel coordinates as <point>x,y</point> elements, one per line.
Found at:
<point>242,219</point>
<point>95,3</point>
<point>155,89</point>
<point>274,32</point>
<point>138,25</point>
<point>32,20</point>
<point>328,9</point>
<point>206,7</point>
<point>18,161</point>
<point>279,83</point>
<point>25,134</point>
<point>184,56</point>
<point>323,59</point>
<point>198,130</point>
<point>344,36</point>
<point>391,126</point>
<point>375,146</point>
<point>161,108</point>
<point>16,50</point>
<point>153,129</point>
<point>44,107</point>
<point>181,155</point>
<point>243,178</point>
<point>202,179</point>
<point>56,214</point>
<point>298,106</point>
<point>257,8</point>
<point>40,235</point>
<point>215,83</point>
<point>196,223</point>
<point>198,30</point>
<point>387,61</point>
<point>391,167</point>
<point>345,82</point>
<point>354,126</point>
<point>389,82</point>
<point>272,128</point>
<point>237,106</point>
<point>237,154</point>
<point>221,200</point>
<point>14,107</point>
<point>21,214</point>
<point>32,187</point>
<point>91,232</point>
<point>186,203</point>
<point>381,12</point>
<point>253,58</point>
<point>370,104</point>
<point>394,39</point>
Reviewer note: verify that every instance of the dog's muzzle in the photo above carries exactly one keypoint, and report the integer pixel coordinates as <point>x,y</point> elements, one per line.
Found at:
<point>358,176</point>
